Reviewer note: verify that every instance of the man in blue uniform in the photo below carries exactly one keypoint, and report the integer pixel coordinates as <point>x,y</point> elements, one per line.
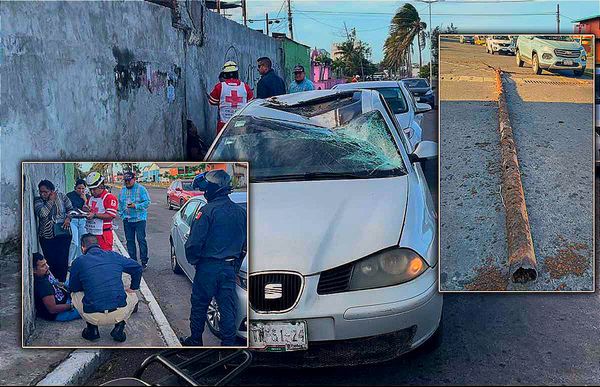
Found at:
<point>216,244</point>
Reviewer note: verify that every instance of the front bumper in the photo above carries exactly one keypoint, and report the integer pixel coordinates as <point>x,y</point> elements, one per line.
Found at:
<point>507,50</point>
<point>557,63</point>
<point>340,319</point>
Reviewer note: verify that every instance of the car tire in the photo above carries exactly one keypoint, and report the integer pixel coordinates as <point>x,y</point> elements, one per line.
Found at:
<point>535,64</point>
<point>181,203</point>
<point>213,318</point>
<point>579,73</point>
<point>435,341</point>
<point>518,58</point>
<point>174,264</point>
<point>169,204</point>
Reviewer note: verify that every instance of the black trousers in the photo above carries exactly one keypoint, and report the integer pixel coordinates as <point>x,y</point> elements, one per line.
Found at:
<point>56,252</point>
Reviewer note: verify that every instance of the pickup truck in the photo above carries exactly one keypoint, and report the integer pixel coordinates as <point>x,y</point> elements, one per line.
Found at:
<point>499,44</point>
<point>552,52</point>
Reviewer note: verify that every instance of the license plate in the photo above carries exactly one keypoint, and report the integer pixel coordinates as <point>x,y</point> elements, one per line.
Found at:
<point>567,62</point>
<point>278,336</point>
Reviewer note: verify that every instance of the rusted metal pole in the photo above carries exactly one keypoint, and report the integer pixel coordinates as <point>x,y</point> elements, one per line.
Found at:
<point>521,256</point>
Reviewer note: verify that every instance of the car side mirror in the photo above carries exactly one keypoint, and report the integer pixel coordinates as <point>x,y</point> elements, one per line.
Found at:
<point>422,108</point>
<point>425,150</point>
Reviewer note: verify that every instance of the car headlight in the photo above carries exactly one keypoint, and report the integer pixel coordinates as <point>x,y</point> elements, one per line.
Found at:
<point>429,92</point>
<point>242,280</point>
<point>546,56</point>
<point>387,268</point>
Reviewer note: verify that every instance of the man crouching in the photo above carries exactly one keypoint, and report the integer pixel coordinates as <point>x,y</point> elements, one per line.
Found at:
<point>97,291</point>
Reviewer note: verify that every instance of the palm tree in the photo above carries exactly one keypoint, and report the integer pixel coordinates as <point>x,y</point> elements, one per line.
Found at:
<point>405,26</point>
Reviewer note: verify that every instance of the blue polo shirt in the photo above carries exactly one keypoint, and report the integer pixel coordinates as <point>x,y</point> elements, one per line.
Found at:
<point>98,273</point>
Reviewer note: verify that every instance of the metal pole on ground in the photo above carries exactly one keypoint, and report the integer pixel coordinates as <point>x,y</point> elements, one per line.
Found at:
<point>521,255</point>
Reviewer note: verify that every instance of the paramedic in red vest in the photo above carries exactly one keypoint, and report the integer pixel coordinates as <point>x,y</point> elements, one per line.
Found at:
<point>230,95</point>
<point>102,207</point>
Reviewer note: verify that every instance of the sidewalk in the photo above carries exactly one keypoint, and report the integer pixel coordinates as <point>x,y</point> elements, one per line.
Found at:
<point>142,329</point>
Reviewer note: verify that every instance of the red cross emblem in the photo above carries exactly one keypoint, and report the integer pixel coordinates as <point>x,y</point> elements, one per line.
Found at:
<point>234,99</point>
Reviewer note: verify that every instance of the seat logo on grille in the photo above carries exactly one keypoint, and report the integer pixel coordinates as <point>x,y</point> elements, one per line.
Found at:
<point>273,291</point>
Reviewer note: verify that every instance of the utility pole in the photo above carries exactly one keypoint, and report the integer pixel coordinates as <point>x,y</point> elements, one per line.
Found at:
<point>219,6</point>
<point>244,14</point>
<point>267,19</point>
<point>558,18</point>
<point>290,25</point>
<point>430,35</point>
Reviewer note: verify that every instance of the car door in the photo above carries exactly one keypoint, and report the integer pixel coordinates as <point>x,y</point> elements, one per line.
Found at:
<point>186,216</point>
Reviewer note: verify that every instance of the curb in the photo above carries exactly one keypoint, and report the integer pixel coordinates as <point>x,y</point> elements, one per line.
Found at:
<point>167,333</point>
<point>76,368</point>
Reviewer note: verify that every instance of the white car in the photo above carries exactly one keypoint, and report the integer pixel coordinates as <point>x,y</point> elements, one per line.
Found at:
<point>499,44</point>
<point>180,231</point>
<point>407,110</point>
<point>343,229</point>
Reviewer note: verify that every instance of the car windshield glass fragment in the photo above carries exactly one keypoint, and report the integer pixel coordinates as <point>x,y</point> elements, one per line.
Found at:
<point>344,144</point>
<point>394,98</point>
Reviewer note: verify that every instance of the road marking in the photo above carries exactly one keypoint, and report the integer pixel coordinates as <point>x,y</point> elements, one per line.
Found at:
<point>164,327</point>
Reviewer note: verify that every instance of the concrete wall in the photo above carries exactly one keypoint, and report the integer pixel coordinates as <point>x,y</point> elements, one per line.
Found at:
<point>32,175</point>
<point>89,81</point>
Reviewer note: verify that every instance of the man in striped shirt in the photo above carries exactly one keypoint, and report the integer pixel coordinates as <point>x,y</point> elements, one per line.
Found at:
<point>102,206</point>
<point>133,209</point>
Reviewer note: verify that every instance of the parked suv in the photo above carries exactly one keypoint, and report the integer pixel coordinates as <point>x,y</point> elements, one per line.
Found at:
<point>499,44</point>
<point>551,52</point>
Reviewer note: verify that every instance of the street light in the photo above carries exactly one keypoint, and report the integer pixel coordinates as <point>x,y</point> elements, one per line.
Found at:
<point>429,2</point>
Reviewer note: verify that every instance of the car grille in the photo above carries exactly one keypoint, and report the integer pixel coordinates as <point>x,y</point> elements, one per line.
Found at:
<point>335,280</point>
<point>281,296</point>
<point>567,53</point>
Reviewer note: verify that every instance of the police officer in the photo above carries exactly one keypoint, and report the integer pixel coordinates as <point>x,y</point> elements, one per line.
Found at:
<point>216,245</point>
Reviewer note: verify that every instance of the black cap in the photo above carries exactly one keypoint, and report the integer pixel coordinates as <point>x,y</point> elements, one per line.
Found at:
<point>298,69</point>
<point>128,176</point>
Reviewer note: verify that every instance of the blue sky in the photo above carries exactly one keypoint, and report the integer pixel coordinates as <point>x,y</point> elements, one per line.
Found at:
<point>320,23</point>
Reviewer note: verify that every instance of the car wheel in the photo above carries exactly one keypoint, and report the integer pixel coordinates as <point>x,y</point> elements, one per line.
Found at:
<point>169,204</point>
<point>518,58</point>
<point>213,318</point>
<point>181,202</point>
<point>579,73</point>
<point>435,341</point>
<point>174,264</point>
<point>535,63</point>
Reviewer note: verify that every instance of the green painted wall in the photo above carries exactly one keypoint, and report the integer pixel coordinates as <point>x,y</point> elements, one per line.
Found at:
<point>294,53</point>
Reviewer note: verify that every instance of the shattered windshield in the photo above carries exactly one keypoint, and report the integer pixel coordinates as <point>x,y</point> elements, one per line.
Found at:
<point>338,144</point>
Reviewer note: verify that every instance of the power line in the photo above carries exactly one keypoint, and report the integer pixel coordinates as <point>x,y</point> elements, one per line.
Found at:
<point>433,14</point>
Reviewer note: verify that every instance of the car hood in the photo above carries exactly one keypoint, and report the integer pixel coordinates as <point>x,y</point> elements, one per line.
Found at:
<point>561,45</point>
<point>311,226</point>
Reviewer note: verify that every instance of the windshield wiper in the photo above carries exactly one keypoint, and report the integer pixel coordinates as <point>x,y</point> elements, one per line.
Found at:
<point>329,175</point>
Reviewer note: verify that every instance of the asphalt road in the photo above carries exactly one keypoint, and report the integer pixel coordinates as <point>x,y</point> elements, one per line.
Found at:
<point>551,116</point>
<point>172,291</point>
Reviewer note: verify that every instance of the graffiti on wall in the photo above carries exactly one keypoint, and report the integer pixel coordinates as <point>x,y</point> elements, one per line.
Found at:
<point>133,74</point>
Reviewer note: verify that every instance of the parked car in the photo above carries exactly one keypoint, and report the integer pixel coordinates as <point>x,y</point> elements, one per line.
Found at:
<point>400,100</point>
<point>180,230</point>
<point>344,228</point>
<point>179,192</point>
<point>500,44</point>
<point>420,88</point>
<point>466,39</point>
<point>551,52</point>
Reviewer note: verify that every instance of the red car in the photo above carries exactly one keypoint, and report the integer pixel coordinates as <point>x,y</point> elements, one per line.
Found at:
<point>179,192</point>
